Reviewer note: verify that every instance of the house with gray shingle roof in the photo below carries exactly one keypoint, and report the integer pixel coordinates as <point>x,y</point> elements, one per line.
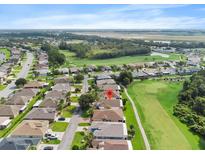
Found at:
<point>109,130</point>
<point>42,114</point>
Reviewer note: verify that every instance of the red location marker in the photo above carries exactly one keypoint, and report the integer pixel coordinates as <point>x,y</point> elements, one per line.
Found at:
<point>109,93</point>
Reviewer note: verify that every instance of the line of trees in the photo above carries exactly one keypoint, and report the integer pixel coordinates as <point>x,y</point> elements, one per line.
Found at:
<point>128,51</point>
<point>55,58</point>
<point>191,106</point>
<point>80,49</point>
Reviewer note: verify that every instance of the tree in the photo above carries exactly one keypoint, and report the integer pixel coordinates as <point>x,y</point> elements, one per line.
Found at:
<point>2,100</point>
<point>60,104</point>
<point>78,78</point>
<point>36,74</point>
<point>77,90</point>
<point>131,131</point>
<point>125,78</point>
<point>85,100</point>
<point>75,147</point>
<point>88,139</point>
<point>20,82</point>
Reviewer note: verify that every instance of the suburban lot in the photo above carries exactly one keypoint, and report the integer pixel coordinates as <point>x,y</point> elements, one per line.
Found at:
<point>71,59</point>
<point>155,102</point>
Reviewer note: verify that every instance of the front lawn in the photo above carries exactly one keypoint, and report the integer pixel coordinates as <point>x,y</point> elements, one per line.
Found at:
<point>46,141</point>
<point>84,124</point>
<point>74,99</point>
<point>2,86</point>
<point>78,139</point>
<point>59,126</point>
<point>68,111</point>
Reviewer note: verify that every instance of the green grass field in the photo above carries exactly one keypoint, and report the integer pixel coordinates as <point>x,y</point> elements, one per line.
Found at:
<point>6,51</point>
<point>79,136</point>
<point>68,111</point>
<point>154,101</point>
<point>84,124</point>
<point>2,86</point>
<point>137,141</point>
<point>59,126</point>
<point>51,141</point>
<point>72,60</point>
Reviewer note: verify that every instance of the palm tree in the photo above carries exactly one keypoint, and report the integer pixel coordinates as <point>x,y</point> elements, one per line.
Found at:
<point>88,139</point>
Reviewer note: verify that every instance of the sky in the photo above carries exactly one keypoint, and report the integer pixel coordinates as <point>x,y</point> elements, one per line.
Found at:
<point>90,16</point>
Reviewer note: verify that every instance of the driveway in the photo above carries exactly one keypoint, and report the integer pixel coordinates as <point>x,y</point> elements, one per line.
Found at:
<point>24,72</point>
<point>70,132</point>
<point>42,146</point>
<point>85,84</point>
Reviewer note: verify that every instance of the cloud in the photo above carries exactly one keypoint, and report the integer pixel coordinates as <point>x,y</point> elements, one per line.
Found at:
<point>116,17</point>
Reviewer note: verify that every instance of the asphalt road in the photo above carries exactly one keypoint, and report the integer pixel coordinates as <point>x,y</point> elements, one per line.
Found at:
<point>23,73</point>
<point>146,142</point>
<point>69,133</point>
<point>85,84</point>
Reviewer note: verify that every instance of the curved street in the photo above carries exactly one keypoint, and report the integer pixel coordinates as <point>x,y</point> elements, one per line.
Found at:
<point>24,72</point>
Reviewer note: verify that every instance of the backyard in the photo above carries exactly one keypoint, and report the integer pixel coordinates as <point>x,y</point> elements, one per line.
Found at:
<point>155,103</point>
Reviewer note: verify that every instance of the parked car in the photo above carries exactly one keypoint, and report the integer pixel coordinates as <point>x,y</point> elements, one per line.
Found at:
<point>48,148</point>
<point>61,119</point>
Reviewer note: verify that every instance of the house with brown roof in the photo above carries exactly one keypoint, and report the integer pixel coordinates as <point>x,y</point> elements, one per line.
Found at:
<point>105,87</point>
<point>42,114</point>
<point>61,80</point>
<point>56,95</point>
<point>22,97</point>
<point>9,110</point>
<point>112,144</point>
<point>17,100</point>
<point>109,130</point>
<point>34,84</point>
<point>104,82</point>
<point>48,103</point>
<point>62,87</point>
<point>108,115</point>
<point>109,103</point>
<point>74,70</point>
<point>31,128</point>
<point>115,95</point>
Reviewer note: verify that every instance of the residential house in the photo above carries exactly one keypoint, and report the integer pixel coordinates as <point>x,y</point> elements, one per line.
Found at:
<point>109,130</point>
<point>22,97</point>
<point>31,128</point>
<point>62,87</point>
<point>113,87</point>
<point>105,68</point>
<point>105,81</point>
<point>56,95</point>
<point>10,111</point>
<point>16,143</point>
<point>112,144</point>
<point>106,103</point>
<point>34,84</point>
<point>74,70</point>
<point>4,122</point>
<point>108,115</point>
<point>49,103</point>
<point>61,80</point>
<point>103,77</point>
<point>42,114</point>
<point>63,70</point>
